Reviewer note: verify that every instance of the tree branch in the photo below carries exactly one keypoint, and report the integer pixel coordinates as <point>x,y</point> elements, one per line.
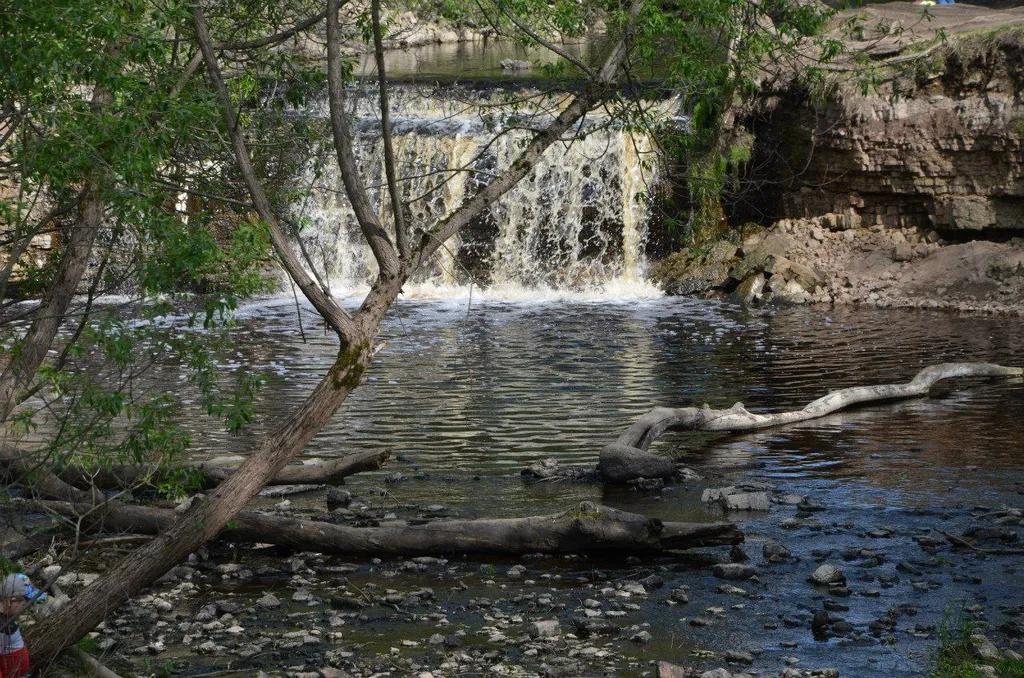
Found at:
<point>334,315</point>
<point>401,235</point>
<point>369,222</point>
<point>578,63</point>
<point>20,371</point>
<point>533,153</point>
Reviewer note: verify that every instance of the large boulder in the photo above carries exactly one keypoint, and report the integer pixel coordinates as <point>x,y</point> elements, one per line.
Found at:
<point>693,272</point>
<point>622,463</point>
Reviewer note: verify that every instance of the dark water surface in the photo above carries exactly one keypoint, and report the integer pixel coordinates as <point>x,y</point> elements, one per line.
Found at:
<point>484,392</point>
<point>467,398</point>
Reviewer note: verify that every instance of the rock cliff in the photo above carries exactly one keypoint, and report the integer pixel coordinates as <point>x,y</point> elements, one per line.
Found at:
<point>939,144</point>
<point>907,194</point>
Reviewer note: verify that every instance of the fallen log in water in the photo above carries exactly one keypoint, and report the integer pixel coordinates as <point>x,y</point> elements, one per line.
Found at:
<point>627,458</point>
<point>586,527</point>
<point>124,476</point>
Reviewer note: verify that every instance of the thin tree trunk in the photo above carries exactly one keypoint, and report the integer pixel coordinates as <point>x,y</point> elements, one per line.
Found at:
<point>401,234</point>
<point>586,527</point>
<point>20,372</point>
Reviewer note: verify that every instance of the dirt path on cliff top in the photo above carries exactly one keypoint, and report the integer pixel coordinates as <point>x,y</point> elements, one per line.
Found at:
<point>889,27</point>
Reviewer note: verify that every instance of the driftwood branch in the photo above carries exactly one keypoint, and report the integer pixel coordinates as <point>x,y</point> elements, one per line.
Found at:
<point>91,664</point>
<point>627,458</point>
<point>586,527</point>
<point>960,542</point>
<point>328,472</point>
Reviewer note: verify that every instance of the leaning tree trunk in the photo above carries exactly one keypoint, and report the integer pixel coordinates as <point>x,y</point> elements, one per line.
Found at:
<point>207,518</point>
<point>201,523</point>
<point>21,370</point>
<point>627,458</point>
<point>586,527</point>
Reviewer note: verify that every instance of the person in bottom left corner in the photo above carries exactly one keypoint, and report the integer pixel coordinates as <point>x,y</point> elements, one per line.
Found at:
<point>16,593</point>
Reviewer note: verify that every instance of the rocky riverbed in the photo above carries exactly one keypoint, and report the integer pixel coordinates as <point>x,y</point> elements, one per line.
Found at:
<point>822,582</point>
<point>833,260</point>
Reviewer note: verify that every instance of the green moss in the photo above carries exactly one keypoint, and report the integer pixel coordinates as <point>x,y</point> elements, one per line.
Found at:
<point>347,371</point>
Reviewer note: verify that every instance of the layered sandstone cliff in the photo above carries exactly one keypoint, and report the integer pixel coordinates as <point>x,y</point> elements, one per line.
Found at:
<point>906,193</point>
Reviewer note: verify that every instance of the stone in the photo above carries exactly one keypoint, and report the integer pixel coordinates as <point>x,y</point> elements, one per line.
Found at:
<point>828,575</point>
<point>716,673</point>
<point>902,252</point>
<point>666,670</point>
<point>514,65</point>
<point>774,552</point>
<point>749,290</point>
<point>747,501</point>
<point>594,626</point>
<point>739,657</point>
<point>338,498</point>
<point>206,613</point>
<point>691,272</point>
<point>983,649</point>
<point>641,638</point>
<point>547,628</point>
<point>965,213</point>
<point>680,595</point>
<point>733,571</point>
<point>759,253</point>
<point>820,623</point>
<point>269,602</point>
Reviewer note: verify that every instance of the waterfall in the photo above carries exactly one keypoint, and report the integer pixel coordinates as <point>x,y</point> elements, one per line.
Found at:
<point>575,226</point>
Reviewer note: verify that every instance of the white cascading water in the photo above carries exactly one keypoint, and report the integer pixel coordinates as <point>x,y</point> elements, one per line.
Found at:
<point>574,228</point>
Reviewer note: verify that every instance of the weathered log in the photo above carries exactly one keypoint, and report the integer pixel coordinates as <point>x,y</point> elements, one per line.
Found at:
<point>17,546</point>
<point>586,527</point>
<point>622,463</point>
<point>328,472</point>
<point>627,458</point>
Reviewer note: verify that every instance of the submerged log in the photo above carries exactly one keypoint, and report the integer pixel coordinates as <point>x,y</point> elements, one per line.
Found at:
<point>328,472</point>
<point>627,458</point>
<point>586,527</point>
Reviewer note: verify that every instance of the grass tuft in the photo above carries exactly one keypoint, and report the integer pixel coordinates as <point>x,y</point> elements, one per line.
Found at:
<point>953,658</point>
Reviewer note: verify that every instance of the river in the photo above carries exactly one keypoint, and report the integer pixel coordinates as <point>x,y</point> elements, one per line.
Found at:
<point>467,393</point>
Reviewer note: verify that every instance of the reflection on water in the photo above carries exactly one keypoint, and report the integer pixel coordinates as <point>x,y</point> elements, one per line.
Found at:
<point>470,395</point>
<point>478,60</point>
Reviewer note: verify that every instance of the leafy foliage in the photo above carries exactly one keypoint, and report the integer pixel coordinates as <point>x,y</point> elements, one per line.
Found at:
<point>177,229</point>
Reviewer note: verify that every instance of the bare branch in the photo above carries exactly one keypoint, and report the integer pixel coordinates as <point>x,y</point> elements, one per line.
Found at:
<point>578,63</point>
<point>531,156</point>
